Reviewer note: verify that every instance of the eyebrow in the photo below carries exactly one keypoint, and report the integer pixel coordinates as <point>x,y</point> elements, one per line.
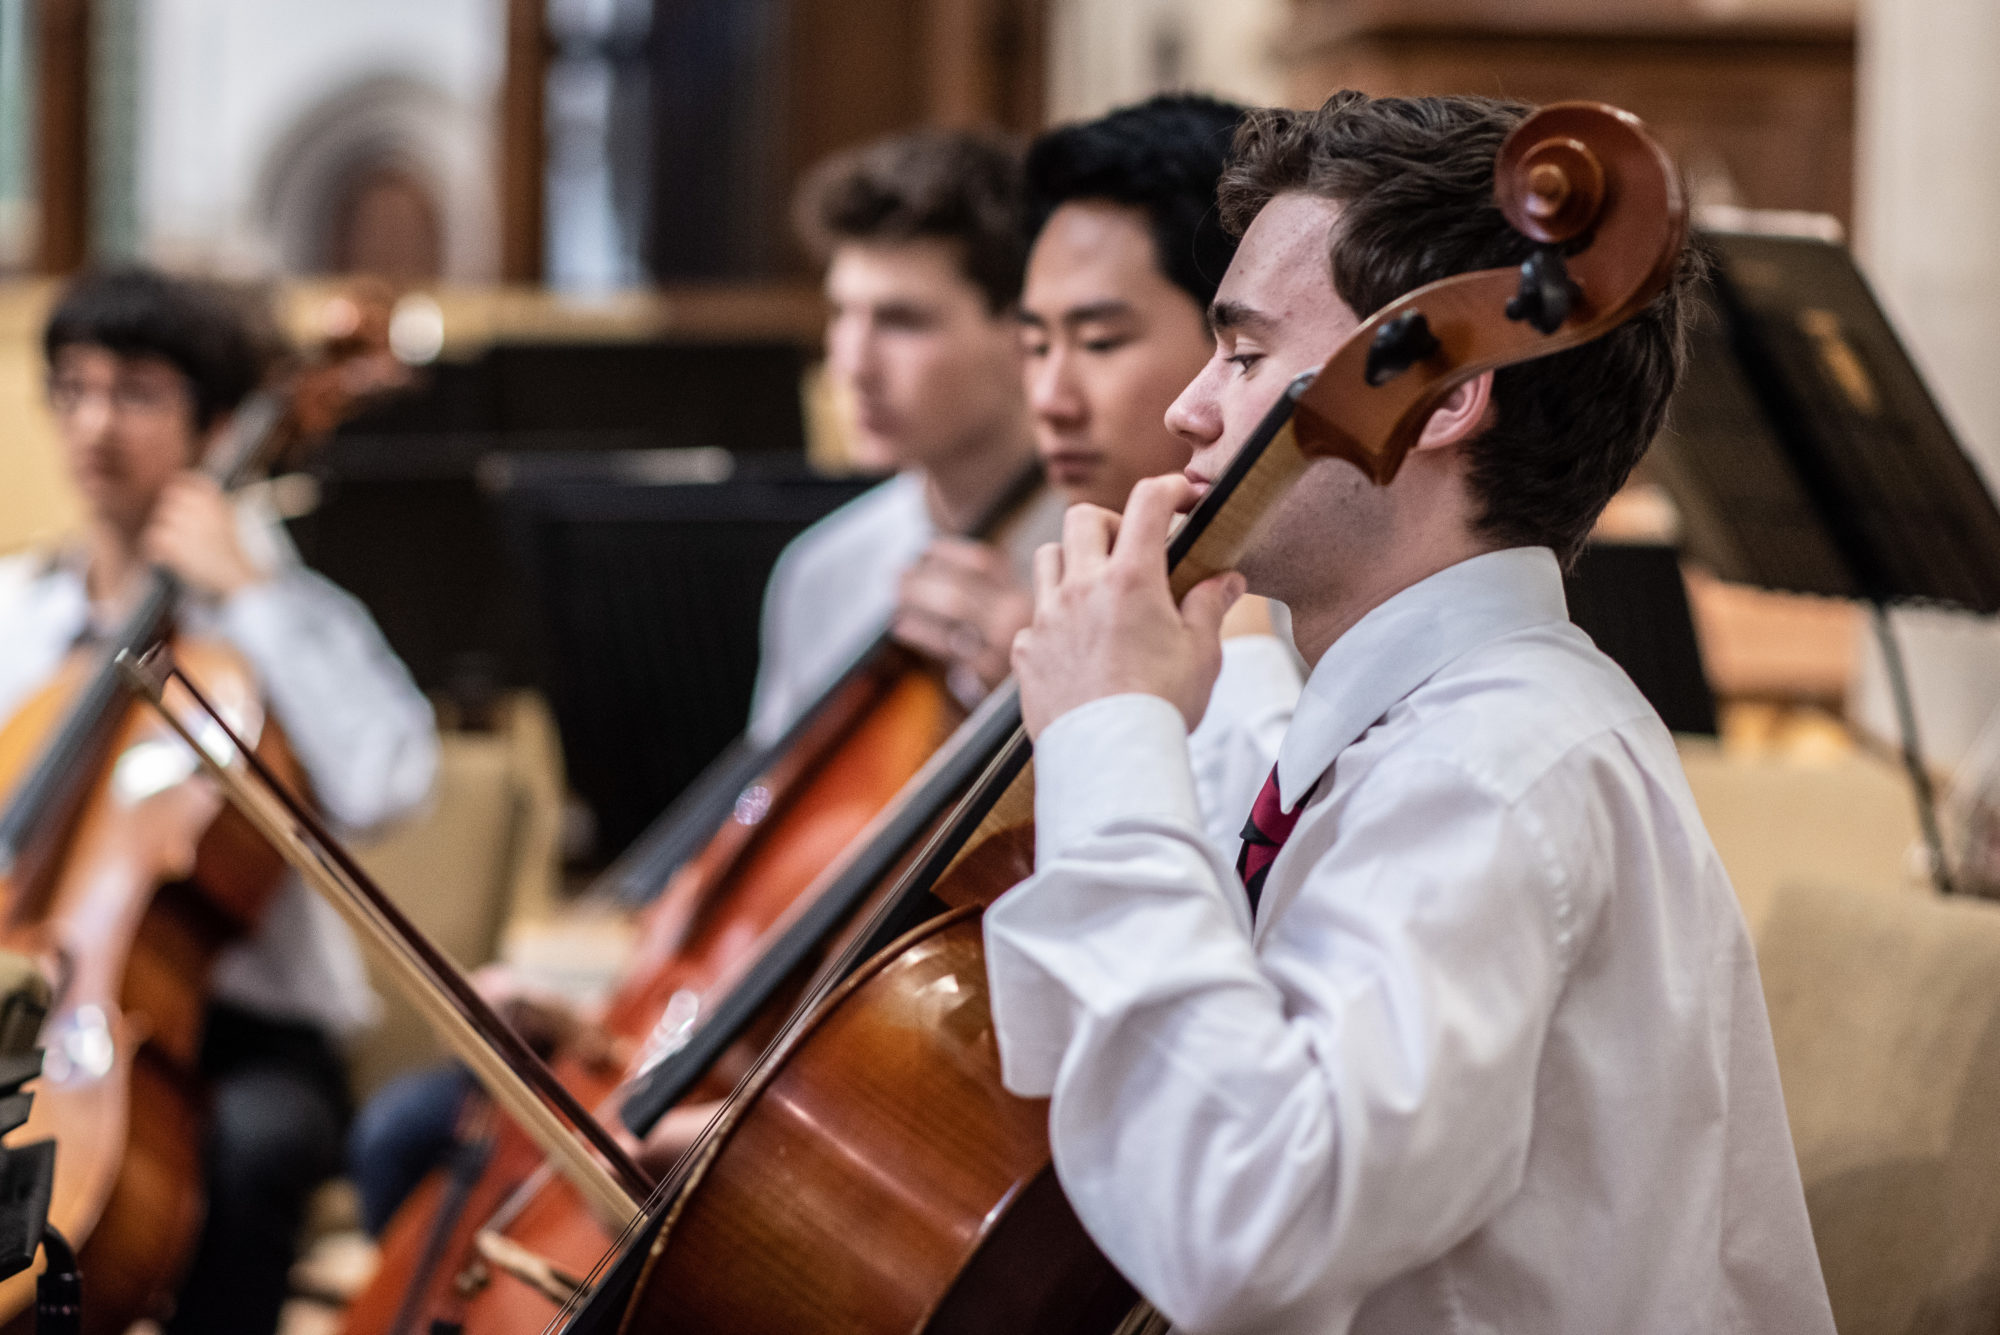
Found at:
<point>1110,308</point>
<point>1236,315</point>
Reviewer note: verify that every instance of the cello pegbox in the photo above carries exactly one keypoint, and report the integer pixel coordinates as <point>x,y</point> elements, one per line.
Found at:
<point>1604,207</point>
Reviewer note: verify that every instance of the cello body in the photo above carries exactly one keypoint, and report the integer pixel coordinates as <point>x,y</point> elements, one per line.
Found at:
<point>155,877</point>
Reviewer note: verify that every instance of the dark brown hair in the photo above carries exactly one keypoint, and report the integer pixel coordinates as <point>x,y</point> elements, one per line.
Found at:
<point>1414,178</point>
<point>1162,157</point>
<point>952,185</point>
<point>139,312</point>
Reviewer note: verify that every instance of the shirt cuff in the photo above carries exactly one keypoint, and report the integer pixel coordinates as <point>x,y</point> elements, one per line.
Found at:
<point>1118,757</point>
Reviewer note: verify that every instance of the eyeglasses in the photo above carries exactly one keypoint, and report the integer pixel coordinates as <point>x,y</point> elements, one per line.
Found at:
<point>130,396</point>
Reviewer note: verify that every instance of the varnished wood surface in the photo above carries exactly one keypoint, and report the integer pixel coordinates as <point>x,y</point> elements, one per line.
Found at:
<point>523,139</point>
<point>63,94</point>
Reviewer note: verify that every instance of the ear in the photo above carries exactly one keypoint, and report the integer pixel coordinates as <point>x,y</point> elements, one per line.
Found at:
<point>1461,416</point>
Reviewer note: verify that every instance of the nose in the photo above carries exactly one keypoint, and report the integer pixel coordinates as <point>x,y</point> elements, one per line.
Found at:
<point>89,419</point>
<point>850,349</point>
<point>1196,416</point>
<point>1052,391</point>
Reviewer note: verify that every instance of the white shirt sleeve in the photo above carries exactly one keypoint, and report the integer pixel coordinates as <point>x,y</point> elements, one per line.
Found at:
<point>357,723</point>
<point>779,695</point>
<point>1261,1135</point>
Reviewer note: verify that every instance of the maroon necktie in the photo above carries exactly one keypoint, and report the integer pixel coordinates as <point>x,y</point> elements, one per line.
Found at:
<point>1263,835</point>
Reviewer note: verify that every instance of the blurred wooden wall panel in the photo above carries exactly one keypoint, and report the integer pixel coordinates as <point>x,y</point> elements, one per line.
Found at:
<point>523,140</point>
<point>985,62</point>
<point>62,134</point>
<point>749,94</point>
<point>1759,113</point>
<point>857,70</point>
<point>865,68</point>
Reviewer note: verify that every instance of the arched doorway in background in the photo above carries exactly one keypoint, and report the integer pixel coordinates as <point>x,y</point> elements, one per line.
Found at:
<point>385,222</point>
<point>388,176</point>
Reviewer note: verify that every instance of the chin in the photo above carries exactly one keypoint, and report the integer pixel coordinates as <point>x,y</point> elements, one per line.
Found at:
<point>1267,573</point>
<point>107,500</point>
<point>1095,492</point>
<point>1071,472</point>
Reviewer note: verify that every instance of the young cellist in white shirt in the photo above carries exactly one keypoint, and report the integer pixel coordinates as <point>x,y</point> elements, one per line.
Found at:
<point>143,373</point>
<point>1489,1053</point>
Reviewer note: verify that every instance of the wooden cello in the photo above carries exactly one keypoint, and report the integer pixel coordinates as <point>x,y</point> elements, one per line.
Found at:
<point>738,854</point>
<point>872,1174</point>
<point>123,879</point>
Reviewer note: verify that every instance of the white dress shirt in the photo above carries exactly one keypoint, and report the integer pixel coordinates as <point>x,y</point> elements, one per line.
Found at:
<point>837,584</point>
<point>1492,1058</point>
<point>359,727</point>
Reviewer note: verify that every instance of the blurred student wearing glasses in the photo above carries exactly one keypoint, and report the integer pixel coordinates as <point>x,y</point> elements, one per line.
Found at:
<point>144,372</point>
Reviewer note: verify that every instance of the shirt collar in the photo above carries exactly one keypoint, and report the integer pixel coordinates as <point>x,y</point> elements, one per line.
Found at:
<point>1402,643</point>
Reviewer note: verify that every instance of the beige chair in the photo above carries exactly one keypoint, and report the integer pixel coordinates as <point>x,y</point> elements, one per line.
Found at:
<point>1844,821</point>
<point>1885,1009</point>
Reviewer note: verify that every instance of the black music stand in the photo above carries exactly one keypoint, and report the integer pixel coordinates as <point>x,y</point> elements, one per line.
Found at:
<point>1630,598</point>
<point>1807,455</point>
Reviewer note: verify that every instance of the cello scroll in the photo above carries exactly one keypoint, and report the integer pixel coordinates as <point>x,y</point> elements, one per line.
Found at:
<point>1605,206</point>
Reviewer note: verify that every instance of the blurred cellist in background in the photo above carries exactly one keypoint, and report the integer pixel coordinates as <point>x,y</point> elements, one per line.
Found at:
<point>923,244</point>
<point>144,372</point>
<point>1126,252</point>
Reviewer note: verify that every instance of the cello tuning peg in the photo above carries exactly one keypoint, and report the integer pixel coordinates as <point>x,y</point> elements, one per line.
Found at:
<point>1398,345</point>
<point>1546,293</point>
